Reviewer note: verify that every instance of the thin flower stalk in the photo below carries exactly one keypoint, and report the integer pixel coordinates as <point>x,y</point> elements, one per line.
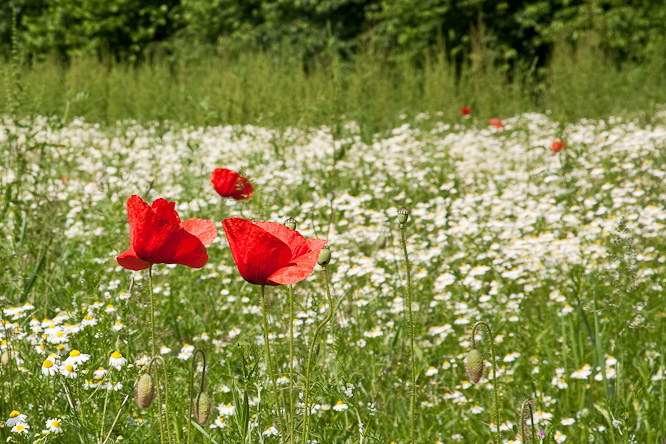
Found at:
<point>320,327</point>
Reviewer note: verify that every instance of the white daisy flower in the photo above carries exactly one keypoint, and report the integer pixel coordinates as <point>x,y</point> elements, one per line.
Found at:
<point>15,417</point>
<point>226,410</point>
<point>21,428</point>
<point>53,426</point>
<point>117,361</point>
<point>340,406</point>
<point>68,371</point>
<point>49,368</point>
<point>100,372</point>
<point>76,358</point>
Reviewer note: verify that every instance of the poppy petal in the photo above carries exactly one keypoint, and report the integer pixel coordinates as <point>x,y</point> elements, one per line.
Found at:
<point>204,229</point>
<point>257,253</point>
<point>242,189</point>
<point>295,240</point>
<point>301,267</point>
<point>128,259</point>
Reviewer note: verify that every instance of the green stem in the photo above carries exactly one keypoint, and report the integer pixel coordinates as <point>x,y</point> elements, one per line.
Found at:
<point>412,400</point>
<point>201,387</point>
<point>291,364</point>
<point>528,403</point>
<point>320,327</point>
<point>269,359</point>
<point>163,419</point>
<point>154,352</point>
<point>495,389</point>
<point>152,309</point>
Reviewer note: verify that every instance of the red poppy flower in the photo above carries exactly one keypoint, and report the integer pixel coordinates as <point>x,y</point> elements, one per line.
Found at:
<point>268,253</point>
<point>229,183</point>
<point>556,146</point>
<point>496,122</point>
<point>465,110</point>
<point>158,237</point>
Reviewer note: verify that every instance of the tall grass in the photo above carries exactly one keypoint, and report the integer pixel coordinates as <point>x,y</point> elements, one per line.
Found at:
<point>268,90</point>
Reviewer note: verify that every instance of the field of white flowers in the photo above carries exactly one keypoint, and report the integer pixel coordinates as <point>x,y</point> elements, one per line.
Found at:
<point>560,252</point>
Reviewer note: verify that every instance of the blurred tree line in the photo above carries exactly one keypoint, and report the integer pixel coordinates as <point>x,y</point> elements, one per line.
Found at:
<point>514,31</point>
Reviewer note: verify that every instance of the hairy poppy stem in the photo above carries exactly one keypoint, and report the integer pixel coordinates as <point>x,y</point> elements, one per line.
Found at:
<point>492,350</point>
<point>412,401</point>
<point>269,359</point>
<point>152,309</point>
<point>291,364</point>
<point>320,327</point>
<point>527,403</point>
<point>201,387</point>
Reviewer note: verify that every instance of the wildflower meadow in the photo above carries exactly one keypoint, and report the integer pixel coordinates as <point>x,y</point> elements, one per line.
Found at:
<point>446,281</point>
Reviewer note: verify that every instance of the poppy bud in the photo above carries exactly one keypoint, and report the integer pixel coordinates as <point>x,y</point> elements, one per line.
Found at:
<point>324,256</point>
<point>202,408</point>
<point>5,358</point>
<point>403,215</point>
<point>290,223</point>
<point>474,366</point>
<point>144,391</point>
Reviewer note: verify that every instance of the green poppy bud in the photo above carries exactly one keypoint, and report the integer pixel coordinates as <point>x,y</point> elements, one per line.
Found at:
<point>324,256</point>
<point>290,223</point>
<point>474,366</point>
<point>403,215</point>
<point>203,406</point>
<point>144,391</point>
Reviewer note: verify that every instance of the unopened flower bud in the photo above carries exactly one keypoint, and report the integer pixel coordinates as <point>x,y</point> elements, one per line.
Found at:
<point>403,215</point>
<point>290,223</point>
<point>5,358</point>
<point>474,366</point>
<point>324,256</point>
<point>203,407</point>
<point>144,391</point>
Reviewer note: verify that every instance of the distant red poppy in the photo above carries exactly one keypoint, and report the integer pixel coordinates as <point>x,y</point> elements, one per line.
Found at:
<point>229,183</point>
<point>268,253</point>
<point>158,237</point>
<point>465,110</point>
<point>497,123</point>
<point>556,146</point>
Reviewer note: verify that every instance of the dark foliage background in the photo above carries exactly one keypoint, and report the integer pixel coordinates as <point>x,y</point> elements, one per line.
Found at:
<point>516,32</point>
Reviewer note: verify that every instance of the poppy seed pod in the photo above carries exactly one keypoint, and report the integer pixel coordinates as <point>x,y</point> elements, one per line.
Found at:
<point>403,215</point>
<point>474,366</point>
<point>324,256</point>
<point>203,406</point>
<point>144,391</point>
<point>290,223</point>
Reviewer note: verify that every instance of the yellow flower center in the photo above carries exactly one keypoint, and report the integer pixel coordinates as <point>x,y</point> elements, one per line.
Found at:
<point>74,353</point>
<point>100,368</point>
<point>70,368</point>
<point>14,414</point>
<point>116,355</point>
<point>59,334</point>
<point>19,427</point>
<point>48,363</point>
<point>56,424</point>
<point>61,347</point>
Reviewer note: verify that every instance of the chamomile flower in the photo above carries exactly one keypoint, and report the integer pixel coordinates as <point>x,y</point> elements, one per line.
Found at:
<point>340,406</point>
<point>226,409</point>
<point>68,371</point>
<point>117,361</point>
<point>15,417</point>
<point>53,426</point>
<point>49,368</point>
<point>100,372</point>
<point>21,427</point>
<point>76,358</point>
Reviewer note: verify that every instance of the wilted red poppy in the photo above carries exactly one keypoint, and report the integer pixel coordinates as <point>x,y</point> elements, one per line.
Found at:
<point>229,183</point>
<point>158,237</point>
<point>268,253</point>
<point>497,123</point>
<point>465,110</point>
<point>556,146</point>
